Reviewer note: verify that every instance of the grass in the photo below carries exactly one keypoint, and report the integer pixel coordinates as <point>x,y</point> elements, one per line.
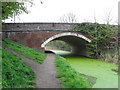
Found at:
<point>26,51</point>
<point>15,73</point>
<point>69,77</point>
<point>103,71</point>
<point>0,67</point>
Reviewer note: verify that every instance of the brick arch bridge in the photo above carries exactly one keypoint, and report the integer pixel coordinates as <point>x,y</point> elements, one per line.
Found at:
<point>37,35</point>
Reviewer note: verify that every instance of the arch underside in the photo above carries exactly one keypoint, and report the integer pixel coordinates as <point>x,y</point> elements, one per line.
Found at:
<point>77,42</point>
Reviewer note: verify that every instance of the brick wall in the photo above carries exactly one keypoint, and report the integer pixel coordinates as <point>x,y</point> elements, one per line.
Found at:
<point>37,26</point>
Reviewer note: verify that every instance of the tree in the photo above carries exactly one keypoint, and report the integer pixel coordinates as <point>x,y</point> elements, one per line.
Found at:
<point>68,18</point>
<point>58,44</point>
<point>11,9</point>
<point>108,18</point>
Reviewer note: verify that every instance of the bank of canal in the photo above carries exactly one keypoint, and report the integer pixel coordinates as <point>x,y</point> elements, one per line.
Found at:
<point>101,74</point>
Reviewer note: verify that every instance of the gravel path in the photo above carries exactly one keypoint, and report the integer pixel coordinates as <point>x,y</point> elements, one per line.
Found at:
<point>45,73</point>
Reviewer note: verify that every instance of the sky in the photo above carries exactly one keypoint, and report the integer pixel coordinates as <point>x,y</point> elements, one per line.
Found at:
<point>84,10</point>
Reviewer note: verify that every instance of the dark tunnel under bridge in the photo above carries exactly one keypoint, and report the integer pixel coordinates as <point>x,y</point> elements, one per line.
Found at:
<point>77,41</point>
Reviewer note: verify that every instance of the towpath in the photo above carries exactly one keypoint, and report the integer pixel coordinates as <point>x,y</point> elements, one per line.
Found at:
<point>45,72</point>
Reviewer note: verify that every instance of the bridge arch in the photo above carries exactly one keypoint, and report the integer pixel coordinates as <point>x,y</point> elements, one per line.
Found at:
<point>77,42</point>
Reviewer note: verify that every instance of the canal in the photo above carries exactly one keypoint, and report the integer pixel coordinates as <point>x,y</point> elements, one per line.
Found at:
<point>100,74</point>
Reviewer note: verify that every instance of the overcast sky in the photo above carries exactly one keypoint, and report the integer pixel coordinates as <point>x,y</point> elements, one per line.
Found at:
<point>84,10</point>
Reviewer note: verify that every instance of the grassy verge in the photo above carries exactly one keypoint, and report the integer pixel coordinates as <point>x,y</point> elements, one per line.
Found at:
<point>0,67</point>
<point>15,73</point>
<point>29,52</point>
<point>69,77</point>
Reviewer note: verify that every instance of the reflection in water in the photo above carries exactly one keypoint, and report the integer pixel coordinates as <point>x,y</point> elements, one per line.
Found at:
<point>59,52</point>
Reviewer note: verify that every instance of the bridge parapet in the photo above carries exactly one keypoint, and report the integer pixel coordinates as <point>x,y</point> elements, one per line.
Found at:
<point>38,26</point>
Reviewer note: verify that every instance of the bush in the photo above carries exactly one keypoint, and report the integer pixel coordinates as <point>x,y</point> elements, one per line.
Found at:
<point>110,56</point>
